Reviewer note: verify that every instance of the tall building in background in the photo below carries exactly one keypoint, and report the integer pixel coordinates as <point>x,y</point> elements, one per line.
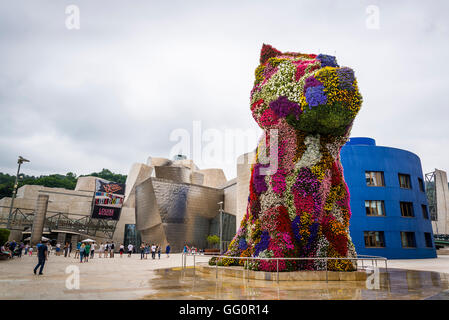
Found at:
<point>438,196</point>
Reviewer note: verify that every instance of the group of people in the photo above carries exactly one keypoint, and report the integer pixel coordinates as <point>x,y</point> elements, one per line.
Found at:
<point>13,249</point>
<point>192,250</point>
<point>146,248</point>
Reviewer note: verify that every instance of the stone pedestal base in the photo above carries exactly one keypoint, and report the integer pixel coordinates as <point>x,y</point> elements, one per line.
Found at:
<point>239,272</point>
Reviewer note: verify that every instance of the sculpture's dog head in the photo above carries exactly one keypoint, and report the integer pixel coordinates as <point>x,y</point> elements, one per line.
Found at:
<point>312,92</point>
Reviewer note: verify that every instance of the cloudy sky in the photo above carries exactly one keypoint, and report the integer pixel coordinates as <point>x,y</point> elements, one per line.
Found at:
<point>112,92</point>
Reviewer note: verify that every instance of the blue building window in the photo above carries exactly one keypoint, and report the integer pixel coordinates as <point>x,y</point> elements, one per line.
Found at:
<point>375,208</point>
<point>407,209</point>
<point>425,214</point>
<point>428,238</point>
<point>408,239</point>
<point>374,178</point>
<point>421,185</point>
<point>404,181</point>
<point>374,239</point>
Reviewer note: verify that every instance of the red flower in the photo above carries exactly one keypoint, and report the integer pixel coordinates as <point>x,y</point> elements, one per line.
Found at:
<point>268,52</point>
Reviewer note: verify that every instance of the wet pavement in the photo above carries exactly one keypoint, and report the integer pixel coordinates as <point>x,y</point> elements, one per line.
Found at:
<point>132,278</point>
<point>396,284</point>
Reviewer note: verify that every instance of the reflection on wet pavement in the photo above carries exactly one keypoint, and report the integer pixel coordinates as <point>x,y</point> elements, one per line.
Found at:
<point>394,284</point>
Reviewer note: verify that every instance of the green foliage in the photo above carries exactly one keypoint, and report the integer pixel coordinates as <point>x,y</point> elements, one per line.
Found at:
<point>108,175</point>
<point>67,181</point>
<point>324,119</point>
<point>213,239</point>
<point>4,235</point>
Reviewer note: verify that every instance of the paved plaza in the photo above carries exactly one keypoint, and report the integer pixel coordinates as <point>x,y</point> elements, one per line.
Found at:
<point>133,278</point>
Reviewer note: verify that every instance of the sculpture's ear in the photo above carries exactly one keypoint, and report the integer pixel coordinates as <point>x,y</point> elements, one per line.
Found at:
<point>268,52</point>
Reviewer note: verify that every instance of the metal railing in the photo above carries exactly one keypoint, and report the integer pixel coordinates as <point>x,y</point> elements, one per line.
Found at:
<point>79,223</point>
<point>361,258</point>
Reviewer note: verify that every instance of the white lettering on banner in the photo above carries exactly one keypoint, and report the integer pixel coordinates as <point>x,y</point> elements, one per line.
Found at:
<point>106,212</point>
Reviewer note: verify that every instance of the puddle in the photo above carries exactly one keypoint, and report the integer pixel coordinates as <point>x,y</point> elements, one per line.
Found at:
<point>175,283</point>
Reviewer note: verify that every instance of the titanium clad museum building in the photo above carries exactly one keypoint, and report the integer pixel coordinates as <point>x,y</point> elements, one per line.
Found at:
<point>390,216</point>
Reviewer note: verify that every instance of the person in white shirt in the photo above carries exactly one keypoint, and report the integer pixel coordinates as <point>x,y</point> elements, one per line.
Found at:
<point>122,249</point>
<point>130,249</point>
<point>92,249</point>
<point>153,251</point>
<point>101,250</point>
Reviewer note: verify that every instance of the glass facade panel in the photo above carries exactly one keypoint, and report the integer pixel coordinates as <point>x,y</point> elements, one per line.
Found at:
<point>407,209</point>
<point>374,239</point>
<point>374,178</point>
<point>404,181</point>
<point>408,240</point>
<point>425,214</point>
<point>375,208</point>
<point>428,238</point>
<point>421,185</point>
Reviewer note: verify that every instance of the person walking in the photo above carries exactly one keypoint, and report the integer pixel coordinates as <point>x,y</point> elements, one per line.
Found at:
<point>49,247</point>
<point>58,249</point>
<point>86,252</point>
<point>153,251</point>
<point>92,249</point>
<point>159,251</point>
<point>66,249</point>
<point>12,247</point>
<point>70,248</point>
<point>27,246</point>
<point>142,251</point>
<point>167,250</point>
<point>81,252</point>
<point>100,249</point>
<point>42,252</point>
<point>130,250</point>
<point>147,250</point>
<point>21,246</point>
<point>106,249</point>
<point>122,249</point>
<point>111,249</point>
<point>78,248</point>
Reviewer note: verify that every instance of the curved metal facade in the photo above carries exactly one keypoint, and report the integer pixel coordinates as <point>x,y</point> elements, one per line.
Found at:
<point>361,155</point>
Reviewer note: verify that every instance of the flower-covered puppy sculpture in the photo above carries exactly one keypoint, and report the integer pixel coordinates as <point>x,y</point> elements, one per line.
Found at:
<point>307,103</point>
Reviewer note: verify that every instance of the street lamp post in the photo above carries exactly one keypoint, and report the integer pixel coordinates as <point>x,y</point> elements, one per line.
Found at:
<point>14,192</point>
<point>221,227</point>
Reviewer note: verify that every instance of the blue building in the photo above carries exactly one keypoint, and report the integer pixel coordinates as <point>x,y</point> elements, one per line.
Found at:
<point>390,217</point>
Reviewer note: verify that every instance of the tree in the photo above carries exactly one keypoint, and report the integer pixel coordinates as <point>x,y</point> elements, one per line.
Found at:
<point>4,235</point>
<point>213,240</point>
<point>67,181</point>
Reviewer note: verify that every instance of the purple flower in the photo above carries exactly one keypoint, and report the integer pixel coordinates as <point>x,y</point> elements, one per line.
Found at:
<point>259,183</point>
<point>327,61</point>
<point>262,244</point>
<point>242,244</point>
<point>313,233</point>
<point>306,183</point>
<point>315,96</point>
<point>345,78</point>
<point>296,224</point>
<point>282,107</point>
<point>311,82</point>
